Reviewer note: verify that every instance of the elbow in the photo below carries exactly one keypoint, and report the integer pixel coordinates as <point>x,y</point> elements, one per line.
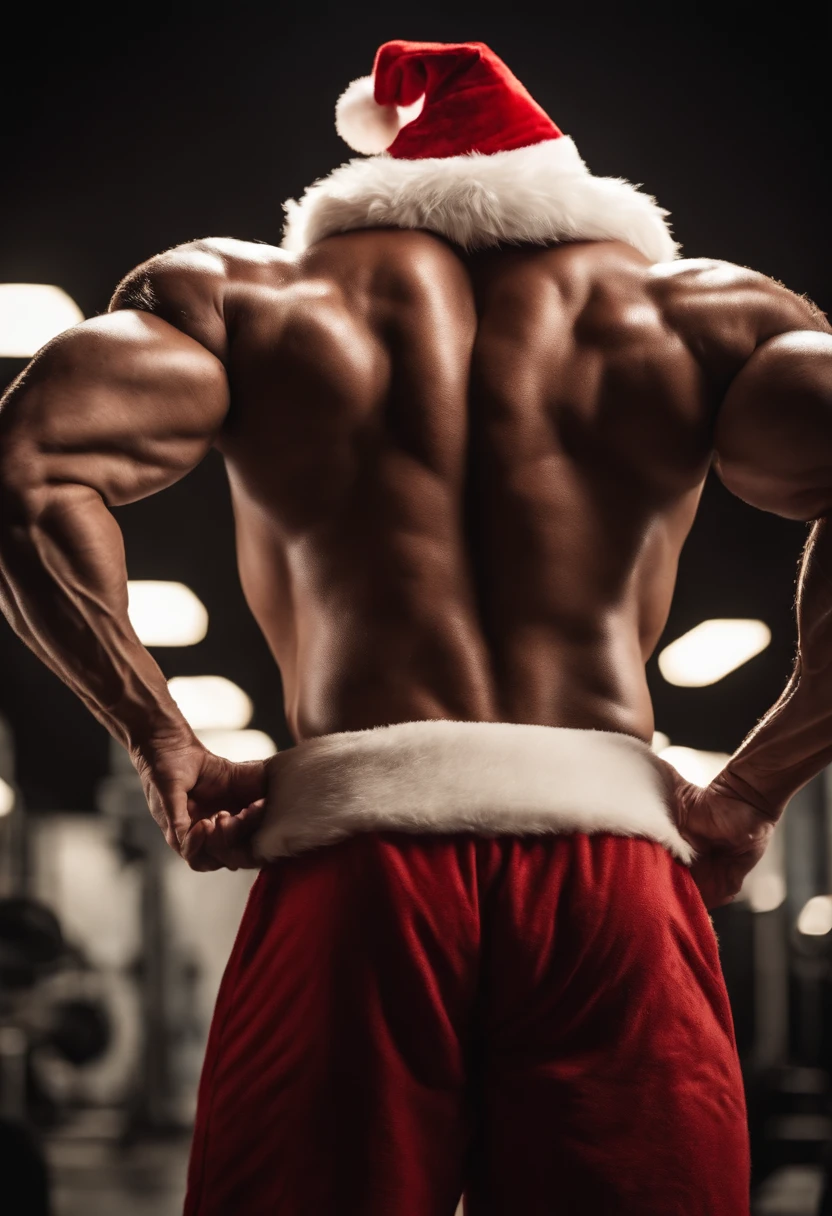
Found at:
<point>22,483</point>
<point>798,497</point>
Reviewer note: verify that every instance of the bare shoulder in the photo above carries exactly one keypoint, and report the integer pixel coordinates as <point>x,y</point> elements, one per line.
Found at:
<point>192,286</point>
<point>768,353</point>
<point>724,312</point>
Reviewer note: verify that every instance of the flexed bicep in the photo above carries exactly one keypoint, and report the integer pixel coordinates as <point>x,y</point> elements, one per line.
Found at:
<point>124,404</point>
<point>773,437</point>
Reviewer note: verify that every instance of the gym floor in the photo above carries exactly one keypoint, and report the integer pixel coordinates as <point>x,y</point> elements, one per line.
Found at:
<point>92,1176</point>
<point>98,1177</point>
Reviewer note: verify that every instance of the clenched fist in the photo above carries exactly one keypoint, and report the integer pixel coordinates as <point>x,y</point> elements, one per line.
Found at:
<point>207,807</point>
<point>728,826</point>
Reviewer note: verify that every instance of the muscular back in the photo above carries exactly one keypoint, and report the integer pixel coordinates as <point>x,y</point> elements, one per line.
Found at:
<point>461,488</point>
<point>461,483</point>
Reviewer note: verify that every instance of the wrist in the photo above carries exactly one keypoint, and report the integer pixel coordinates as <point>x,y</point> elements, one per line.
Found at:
<point>743,783</point>
<point>164,736</point>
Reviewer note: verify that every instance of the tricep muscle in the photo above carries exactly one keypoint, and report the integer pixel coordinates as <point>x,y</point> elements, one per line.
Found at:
<point>125,404</point>
<point>773,438</point>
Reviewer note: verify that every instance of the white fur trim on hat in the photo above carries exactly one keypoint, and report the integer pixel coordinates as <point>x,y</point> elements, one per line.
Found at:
<point>539,194</point>
<point>489,778</point>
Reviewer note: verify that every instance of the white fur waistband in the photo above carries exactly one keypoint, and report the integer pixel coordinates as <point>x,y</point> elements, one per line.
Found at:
<point>490,778</point>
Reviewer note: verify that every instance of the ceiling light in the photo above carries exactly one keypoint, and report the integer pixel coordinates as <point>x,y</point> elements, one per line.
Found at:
<point>166,614</point>
<point>6,798</point>
<point>708,652</point>
<point>238,745</point>
<point>816,918</point>
<point>211,702</point>
<point>696,766</point>
<point>765,891</point>
<point>31,314</point>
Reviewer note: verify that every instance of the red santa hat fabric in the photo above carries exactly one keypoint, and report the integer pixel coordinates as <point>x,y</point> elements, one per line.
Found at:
<point>454,144</point>
<point>471,102</point>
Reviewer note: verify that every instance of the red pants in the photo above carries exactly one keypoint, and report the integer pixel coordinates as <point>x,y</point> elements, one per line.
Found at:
<point>540,1022</point>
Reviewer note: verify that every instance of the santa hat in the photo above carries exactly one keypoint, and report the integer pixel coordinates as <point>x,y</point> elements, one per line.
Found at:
<point>457,146</point>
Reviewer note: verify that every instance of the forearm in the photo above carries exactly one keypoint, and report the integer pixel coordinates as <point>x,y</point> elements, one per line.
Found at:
<point>793,742</point>
<point>63,589</point>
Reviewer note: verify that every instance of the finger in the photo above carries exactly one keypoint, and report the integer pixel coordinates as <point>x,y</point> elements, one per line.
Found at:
<point>717,889</point>
<point>227,787</point>
<point>196,839</point>
<point>160,813</point>
<point>203,864</point>
<point>227,838</point>
<point>175,808</point>
<point>211,843</point>
<point>223,839</point>
<point>199,849</point>
<point>231,841</point>
<point>252,816</point>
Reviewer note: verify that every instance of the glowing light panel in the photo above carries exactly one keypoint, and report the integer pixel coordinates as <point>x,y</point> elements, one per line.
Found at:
<point>6,798</point>
<point>766,891</point>
<point>166,614</point>
<point>815,920</point>
<point>238,745</point>
<point>211,702</point>
<point>708,652</point>
<point>693,765</point>
<point>31,314</point>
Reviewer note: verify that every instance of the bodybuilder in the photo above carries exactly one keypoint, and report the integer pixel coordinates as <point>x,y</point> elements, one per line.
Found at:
<point>461,483</point>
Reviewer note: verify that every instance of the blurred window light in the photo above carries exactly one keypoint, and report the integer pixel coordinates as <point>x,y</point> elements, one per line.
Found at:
<point>166,614</point>
<point>815,920</point>
<point>211,702</point>
<point>660,741</point>
<point>238,745</point>
<point>31,314</point>
<point>696,766</point>
<point>6,798</point>
<point>765,891</point>
<point>708,652</point>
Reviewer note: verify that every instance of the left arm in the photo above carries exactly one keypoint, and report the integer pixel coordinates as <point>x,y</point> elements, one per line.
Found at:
<point>773,445</point>
<point>110,412</point>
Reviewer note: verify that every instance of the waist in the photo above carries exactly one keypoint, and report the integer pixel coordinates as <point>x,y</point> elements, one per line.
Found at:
<point>487,778</point>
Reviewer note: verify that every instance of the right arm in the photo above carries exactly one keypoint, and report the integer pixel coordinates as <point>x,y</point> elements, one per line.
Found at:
<point>110,412</point>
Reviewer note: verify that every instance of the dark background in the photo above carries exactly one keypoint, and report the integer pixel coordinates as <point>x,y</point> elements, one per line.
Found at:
<point>129,129</point>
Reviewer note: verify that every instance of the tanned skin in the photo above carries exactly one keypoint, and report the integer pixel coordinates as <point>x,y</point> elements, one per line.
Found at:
<point>461,485</point>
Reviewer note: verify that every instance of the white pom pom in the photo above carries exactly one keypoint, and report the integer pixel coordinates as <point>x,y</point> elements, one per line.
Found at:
<point>363,124</point>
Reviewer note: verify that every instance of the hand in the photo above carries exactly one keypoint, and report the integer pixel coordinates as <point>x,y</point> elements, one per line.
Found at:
<point>207,807</point>
<point>729,832</point>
